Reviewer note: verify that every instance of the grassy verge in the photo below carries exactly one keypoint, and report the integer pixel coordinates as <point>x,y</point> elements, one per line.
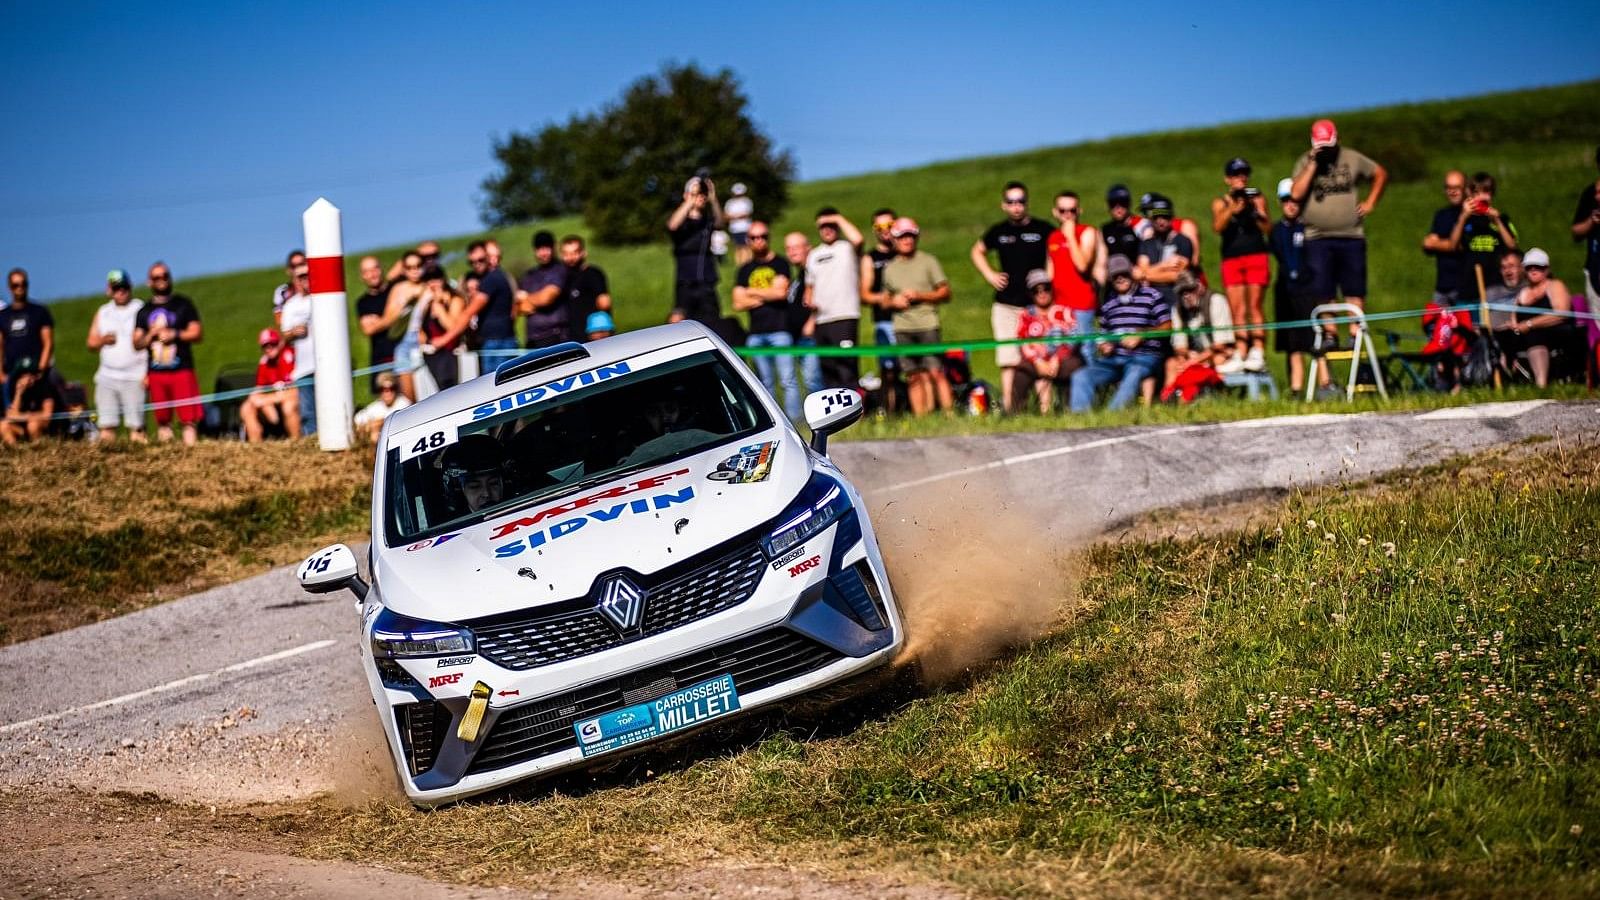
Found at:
<point>91,531</point>
<point>1385,690</point>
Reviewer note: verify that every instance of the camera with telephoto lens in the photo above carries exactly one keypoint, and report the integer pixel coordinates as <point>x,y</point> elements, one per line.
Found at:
<point>702,178</point>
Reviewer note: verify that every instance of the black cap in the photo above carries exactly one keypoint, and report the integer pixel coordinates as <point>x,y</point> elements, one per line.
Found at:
<point>1156,205</point>
<point>543,239</point>
<point>1119,194</point>
<point>1237,166</point>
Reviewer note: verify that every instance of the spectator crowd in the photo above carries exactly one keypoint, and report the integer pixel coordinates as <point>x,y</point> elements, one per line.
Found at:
<point>1122,310</point>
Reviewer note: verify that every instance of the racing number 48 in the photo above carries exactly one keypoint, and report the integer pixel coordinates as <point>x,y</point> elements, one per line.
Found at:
<point>431,442</point>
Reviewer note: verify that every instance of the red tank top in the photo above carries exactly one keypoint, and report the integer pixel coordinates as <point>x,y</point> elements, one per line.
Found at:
<point>1073,291</point>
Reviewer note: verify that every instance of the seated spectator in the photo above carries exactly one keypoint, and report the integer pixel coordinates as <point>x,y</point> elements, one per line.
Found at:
<point>1045,365</point>
<point>1130,359</point>
<point>275,400</point>
<point>1449,340</point>
<point>1504,294</point>
<point>915,285</point>
<point>369,419</point>
<point>1540,321</point>
<point>1203,331</point>
<point>33,401</point>
<point>600,325</point>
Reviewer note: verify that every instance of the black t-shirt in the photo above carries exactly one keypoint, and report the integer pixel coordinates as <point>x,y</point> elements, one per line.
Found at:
<point>1120,240</point>
<point>1288,244</point>
<point>772,315</point>
<point>880,258</point>
<point>494,320</point>
<point>797,314</point>
<point>1022,248</point>
<point>21,326</point>
<point>691,250</point>
<point>1447,266</point>
<point>1159,249</point>
<point>373,303</point>
<point>1591,259</point>
<point>1481,245</point>
<point>583,287</point>
<point>176,313</point>
<point>33,399</point>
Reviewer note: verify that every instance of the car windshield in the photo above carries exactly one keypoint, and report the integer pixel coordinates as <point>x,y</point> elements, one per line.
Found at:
<point>627,423</point>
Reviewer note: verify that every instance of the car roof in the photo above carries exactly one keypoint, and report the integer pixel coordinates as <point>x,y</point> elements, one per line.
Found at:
<point>483,389</point>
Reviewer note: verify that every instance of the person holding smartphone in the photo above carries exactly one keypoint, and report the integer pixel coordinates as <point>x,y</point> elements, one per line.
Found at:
<point>1482,233</point>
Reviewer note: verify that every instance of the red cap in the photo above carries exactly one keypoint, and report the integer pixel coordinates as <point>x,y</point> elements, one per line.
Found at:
<point>267,336</point>
<point>1323,133</point>
<point>903,226</point>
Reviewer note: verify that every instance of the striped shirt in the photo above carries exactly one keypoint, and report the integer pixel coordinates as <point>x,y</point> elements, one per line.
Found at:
<point>1142,310</point>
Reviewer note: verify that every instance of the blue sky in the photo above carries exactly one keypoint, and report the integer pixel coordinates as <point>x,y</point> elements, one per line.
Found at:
<point>197,133</point>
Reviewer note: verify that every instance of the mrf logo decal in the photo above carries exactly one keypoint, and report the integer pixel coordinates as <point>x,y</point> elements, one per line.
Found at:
<point>749,465</point>
<point>804,566</point>
<point>553,389</point>
<point>438,681</point>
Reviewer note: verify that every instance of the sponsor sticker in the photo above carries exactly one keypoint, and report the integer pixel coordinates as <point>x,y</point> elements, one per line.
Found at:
<point>749,465</point>
<point>789,557</point>
<point>599,514</point>
<point>804,567</point>
<point>451,661</point>
<point>431,542</point>
<point>678,710</point>
<point>438,681</point>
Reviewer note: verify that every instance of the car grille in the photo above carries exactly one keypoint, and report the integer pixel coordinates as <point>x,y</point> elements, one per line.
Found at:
<point>757,661</point>
<point>575,628</point>
<point>422,732</point>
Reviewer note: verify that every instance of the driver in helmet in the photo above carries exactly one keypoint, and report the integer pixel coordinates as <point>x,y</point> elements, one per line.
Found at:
<point>474,473</point>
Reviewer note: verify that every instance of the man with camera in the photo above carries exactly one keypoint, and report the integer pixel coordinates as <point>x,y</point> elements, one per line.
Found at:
<point>1326,182</point>
<point>690,226</point>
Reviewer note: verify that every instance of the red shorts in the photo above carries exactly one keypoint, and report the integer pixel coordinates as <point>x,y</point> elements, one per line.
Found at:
<point>166,387</point>
<point>1249,269</point>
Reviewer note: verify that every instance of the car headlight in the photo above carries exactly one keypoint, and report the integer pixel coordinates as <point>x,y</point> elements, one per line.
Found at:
<point>395,636</point>
<point>819,505</point>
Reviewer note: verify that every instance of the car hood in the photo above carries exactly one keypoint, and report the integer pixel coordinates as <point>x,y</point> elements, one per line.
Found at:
<point>554,550</point>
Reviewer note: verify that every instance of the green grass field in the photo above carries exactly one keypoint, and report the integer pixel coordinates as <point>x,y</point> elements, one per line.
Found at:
<point>1538,143</point>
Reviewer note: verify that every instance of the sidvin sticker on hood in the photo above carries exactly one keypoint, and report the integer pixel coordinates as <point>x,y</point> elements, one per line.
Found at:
<point>596,511</point>
<point>749,465</point>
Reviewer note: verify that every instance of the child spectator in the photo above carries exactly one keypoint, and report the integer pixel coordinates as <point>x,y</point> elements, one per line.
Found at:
<point>33,401</point>
<point>369,419</point>
<point>275,400</point>
<point>1130,359</point>
<point>167,328</point>
<point>1240,217</point>
<point>600,325</point>
<point>915,284</point>
<point>1046,365</point>
<point>1481,232</point>
<point>1448,343</point>
<point>119,381</point>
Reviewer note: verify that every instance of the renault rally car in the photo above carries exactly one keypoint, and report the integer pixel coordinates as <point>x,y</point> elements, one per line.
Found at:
<point>601,546</point>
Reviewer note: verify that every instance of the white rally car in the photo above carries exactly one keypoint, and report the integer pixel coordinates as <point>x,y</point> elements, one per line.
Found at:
<point>599,546</point>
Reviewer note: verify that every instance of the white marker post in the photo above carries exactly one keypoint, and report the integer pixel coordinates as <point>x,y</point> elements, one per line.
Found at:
<point>330,325</point>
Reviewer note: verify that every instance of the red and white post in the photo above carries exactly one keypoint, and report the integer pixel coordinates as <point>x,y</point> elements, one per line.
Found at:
<point>330,325</point>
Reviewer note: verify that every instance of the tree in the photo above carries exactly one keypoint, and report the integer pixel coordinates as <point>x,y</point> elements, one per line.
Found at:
<point>625,167</point>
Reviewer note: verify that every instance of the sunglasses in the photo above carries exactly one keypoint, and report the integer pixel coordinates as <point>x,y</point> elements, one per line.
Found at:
<point>480,261</point>
<point>1067,210</point>
<point>17,285</point>
<point>1016,201</point>
<point>758,237</point>
<point>160,277</point>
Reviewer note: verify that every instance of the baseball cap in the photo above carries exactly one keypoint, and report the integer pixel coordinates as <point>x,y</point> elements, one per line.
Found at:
<point>1119,194</point>
<point>387,380</point>
<point>543,239</point>
<point>1186,282</point>
<point>267,336</point>
<point>118,278</point>
<point>1536,257</point>
<point>1285,188</point>
<point>1156,205</point>
<point>1118,265</point>
<point>903,226</point>
<point>739,189</point>
<point>1037,277</point>
<point>600,320</point>
<point>1237,166</point>
<point>1324,134</point>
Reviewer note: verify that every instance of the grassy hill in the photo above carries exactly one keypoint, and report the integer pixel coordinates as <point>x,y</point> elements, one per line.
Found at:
<point>1538,143</point>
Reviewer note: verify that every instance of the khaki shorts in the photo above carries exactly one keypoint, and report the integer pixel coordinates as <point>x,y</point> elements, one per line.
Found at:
<point>1005,318</point>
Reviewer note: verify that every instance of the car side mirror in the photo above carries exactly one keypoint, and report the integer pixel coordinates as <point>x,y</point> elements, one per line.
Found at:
<point>830,411</point>
<point>331,569</point>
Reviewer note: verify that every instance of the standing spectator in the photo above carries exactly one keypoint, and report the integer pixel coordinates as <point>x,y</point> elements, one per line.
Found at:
<point>1129,359</point>
<point>33,401</point>
<point>443,323</point>
<point>1586,229</point>
<point>1165,255</point>
<point>427,251</point>
<point>833,293</point>
<point>540,298</point>
<point>740,211</point>
<point>1292,297</point>
<point>1075,257</point>
<point>873,295</point>
<point>491,247</point>
<point>1440,244</point>
<point>1326,179</point>
<point>371,307</point>
<point>119,381</point>
<point>761,288</point>
<point>1046,365</point>
<point>389,400</point>
<point>690,226</point>
<point>1184,226</point>
<point>275,400</point>
<point>297,333</point>
<point>1480,233</point>
<point>1541,320</point>
<point>29,342</point>
<point>1240,217</point>
<point>167,328</point>
<point>915,284</point>
<point>404,315</point>
<point>802,320</point>
<point>282,293</point>
<point>1123,232</point>
<point>586,288</point>
<point>1022,244</point>
<point>492,304</point>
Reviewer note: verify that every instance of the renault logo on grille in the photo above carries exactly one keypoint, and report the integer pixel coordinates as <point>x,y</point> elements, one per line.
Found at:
<point>622,602</point>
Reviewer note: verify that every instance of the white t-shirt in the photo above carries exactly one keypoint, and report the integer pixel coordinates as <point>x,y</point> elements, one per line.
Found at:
<point>377,410</point>
<point>835,280</point>
<point>120,360</point>
<point>739,210</point>
<point>297,312</point>
<point>1215,314</point>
